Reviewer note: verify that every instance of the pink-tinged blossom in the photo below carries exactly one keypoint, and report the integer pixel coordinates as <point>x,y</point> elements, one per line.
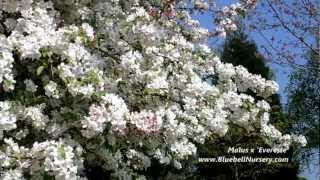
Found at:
<point>146,121</point>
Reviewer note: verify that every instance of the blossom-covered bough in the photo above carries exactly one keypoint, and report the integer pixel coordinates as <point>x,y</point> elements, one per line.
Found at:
<point>116,84</point>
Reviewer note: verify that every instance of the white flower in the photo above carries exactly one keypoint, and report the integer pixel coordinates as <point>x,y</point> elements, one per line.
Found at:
<point>51,90</point>
<point>146,121</point>
<point>159,82</point>
<point>215,119</point>
<point>271,131</point>
<point>300,139</point>
<point>131,60</point>
<point>177,164</point>
<point>12,174</point>
<point>39,27</point>
<point>86,90</point>
<point>35,116</point>
<point>117,111</point>
<point>7,118</point>
<point>95,123</point>
<point>138,12</point>
<point>183,148</point>
<point>60,158</point>
<point>163,158</point>
<point>263,105</point>
<point>88,30</point>
<point>138,160</point>
<point>201,4</point>
<point>6,65</point>
<point>112,109</point>
<point>204,48</point>
<point>30,86</point>
<point>226,71</point>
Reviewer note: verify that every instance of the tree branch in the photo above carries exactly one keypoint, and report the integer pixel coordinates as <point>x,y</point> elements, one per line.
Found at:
<point>289,30</point>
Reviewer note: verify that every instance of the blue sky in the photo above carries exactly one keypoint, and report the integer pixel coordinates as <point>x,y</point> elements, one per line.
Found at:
<point>282,72</point>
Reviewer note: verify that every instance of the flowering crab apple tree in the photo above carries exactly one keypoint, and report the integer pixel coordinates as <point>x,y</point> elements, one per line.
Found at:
<point>114,84</point>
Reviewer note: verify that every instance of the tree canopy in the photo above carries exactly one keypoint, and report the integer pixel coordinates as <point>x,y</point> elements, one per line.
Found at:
<point>113,87</point>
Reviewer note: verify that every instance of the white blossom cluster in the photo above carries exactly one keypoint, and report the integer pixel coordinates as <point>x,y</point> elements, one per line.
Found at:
<point>111,110</point>
<point>55,158</point>
<point>226,17</point>
<point>133,155</point>
<point>35,116</point>
<point>30,85</point>
<point>108,82</point>
<point>7,118</point>
<point>6,64</point>
<point>146,121</point>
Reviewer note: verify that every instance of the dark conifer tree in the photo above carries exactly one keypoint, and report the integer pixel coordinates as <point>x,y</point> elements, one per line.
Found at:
<point>239,50</point>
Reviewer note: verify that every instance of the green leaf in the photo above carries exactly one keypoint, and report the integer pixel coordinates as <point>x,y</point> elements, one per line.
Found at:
<point>62,152</point>
<point>39,70</point>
